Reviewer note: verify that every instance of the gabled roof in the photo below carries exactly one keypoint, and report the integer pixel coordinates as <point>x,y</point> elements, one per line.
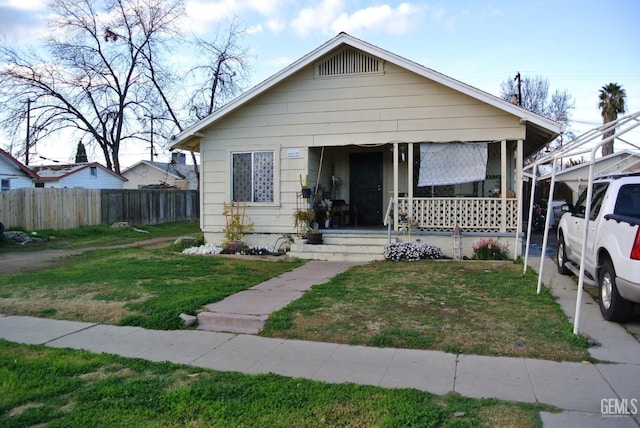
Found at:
<point>545,128</point>
<point>57,172</point>
<point>18,164</point>
<point>176,170</point>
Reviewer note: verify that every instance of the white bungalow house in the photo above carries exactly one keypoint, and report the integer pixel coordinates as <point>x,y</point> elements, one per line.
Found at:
<point>13,174</point>
<point>90,175</point>
<point>374,131</point>
<point>175,174</point>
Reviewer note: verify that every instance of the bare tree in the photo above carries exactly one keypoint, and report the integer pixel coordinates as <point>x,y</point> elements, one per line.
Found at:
<point>91,79</point>
<point>213,82</point>
<point>218,81</point>
<point>534,92</point>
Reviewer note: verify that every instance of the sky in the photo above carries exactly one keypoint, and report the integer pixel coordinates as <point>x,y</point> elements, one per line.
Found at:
<point>578,46</point>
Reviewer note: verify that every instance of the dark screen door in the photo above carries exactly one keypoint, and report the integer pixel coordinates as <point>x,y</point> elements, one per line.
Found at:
<point>365,187</point>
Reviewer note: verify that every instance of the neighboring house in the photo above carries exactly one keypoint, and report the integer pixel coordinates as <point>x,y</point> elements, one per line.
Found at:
<point>90,175</point>
<point>13,174</point>
<point>373,129</point>
<point>577,177</point>
<point>175,174</point>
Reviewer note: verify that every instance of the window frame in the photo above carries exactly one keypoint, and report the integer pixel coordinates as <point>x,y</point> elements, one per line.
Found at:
<point>275,167</point>
<point>599,190</point>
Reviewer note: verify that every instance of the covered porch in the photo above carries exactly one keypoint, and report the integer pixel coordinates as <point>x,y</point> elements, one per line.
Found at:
<point>490,205</point>
<point>376,185</point>
<point>384,193</point>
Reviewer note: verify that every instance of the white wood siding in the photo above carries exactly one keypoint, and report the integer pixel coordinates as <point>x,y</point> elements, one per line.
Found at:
<point>144,175</point>
<point>304,112</point>
<point>17,178</point>
<point>83,179</point>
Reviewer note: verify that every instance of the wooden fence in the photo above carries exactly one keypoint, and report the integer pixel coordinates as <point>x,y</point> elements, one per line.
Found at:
<point>57,209</point>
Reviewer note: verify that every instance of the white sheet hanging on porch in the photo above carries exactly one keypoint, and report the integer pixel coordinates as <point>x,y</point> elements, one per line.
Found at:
<point>452,163</point>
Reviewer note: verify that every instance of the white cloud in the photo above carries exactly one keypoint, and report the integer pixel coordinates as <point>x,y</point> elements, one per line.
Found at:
<point>382,18</point>
<point>254,29</point>
<point>24,4</point>
<point>201,14</point>
<point>264,7</point>
<point>275,25</point>
<point>317,18</point>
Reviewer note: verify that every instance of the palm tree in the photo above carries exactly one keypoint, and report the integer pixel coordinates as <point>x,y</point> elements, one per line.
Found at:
<point>612,102</point>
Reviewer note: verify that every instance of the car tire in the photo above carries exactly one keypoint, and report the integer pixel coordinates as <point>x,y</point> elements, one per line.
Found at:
<point>561,257</point>
<point>613,306</point>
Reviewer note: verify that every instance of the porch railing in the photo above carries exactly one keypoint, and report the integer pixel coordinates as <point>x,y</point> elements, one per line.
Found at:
<point>469,214</point>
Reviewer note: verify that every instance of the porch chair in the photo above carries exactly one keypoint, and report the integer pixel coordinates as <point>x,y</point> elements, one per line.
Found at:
<point>347,214</point>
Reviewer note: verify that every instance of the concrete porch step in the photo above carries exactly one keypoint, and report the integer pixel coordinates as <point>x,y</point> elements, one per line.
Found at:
<point>339,246</point>
<point>232,323</point>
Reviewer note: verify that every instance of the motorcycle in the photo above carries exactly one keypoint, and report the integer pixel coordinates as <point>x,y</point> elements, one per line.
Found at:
<point>539,218</point>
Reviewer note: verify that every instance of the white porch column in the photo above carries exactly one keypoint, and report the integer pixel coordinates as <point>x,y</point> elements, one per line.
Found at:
<point>503,184</point>
<point>396,187</point>
<point>519,194</point>
<point>410,178</point>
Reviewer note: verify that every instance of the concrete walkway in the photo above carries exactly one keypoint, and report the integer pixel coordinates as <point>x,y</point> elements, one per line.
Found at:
<point>248,310</point>
<point>578,388</point>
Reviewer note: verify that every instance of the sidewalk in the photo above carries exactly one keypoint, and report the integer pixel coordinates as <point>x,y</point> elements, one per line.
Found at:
<point>577,388</point>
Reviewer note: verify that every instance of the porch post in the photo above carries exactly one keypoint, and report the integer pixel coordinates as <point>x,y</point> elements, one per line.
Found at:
<point>518,189</point>
<point>410,178</point>
<point>396,152</point>
<point>503,184</point>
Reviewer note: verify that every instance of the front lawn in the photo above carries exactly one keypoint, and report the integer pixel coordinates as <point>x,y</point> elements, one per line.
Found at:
<point>132,286</point>
<point>98,236</point>
<point>64,388</point>
<point>471,307</point>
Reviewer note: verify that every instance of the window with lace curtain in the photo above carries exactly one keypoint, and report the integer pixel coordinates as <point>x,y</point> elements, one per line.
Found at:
<point>252,175</point>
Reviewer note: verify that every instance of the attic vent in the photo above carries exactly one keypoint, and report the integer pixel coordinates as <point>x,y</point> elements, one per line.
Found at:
<point>349,61</point>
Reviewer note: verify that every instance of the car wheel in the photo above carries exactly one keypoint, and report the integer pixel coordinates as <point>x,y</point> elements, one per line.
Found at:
<point>561,257</point>
<point>613,306</point>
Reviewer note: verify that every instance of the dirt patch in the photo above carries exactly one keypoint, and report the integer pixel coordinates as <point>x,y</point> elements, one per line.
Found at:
<point>42,259</point>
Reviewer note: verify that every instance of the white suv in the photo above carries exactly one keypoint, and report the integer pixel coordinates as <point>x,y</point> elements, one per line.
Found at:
<point>612,260</point>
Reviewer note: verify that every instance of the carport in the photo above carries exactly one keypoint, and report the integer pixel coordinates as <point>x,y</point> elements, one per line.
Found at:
<point>589,142</point>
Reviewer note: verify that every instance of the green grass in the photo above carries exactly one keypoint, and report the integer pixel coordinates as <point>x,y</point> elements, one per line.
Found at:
<point>65,388</point>
<point>132,286</point>
<point>486,308</point>
<point>101,235</point>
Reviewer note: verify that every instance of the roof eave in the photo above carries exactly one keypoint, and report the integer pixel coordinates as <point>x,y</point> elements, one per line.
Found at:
<point>189,139</point>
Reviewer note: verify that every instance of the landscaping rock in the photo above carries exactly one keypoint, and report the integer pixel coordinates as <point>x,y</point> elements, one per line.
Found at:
<point>126,225</point>
<point>189,320</point>
<point>203,249</point>
<point>186,242</point>
<point>21,237</point>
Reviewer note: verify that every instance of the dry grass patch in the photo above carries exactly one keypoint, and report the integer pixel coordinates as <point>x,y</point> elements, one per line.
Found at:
<point>78,309</point>
<point>486,308</point>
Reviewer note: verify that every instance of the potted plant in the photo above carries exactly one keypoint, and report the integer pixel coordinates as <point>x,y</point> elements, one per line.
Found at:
<point>306,191</point>
<point>302,219</point>
<point>236,226</point>
<point>313,236</point>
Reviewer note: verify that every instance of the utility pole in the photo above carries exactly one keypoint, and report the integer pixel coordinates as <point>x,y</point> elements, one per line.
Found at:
<point>517,79</point>
<point>28,142</point>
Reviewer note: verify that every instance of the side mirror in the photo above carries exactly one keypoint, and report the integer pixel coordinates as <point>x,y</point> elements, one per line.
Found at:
<point>567,208</point>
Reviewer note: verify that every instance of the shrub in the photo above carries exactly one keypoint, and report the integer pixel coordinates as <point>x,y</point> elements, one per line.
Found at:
<point>488,249</point>
<point>412,251</point>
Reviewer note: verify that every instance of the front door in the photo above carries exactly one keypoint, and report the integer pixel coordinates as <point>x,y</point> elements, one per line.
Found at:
<point>365,187</point>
